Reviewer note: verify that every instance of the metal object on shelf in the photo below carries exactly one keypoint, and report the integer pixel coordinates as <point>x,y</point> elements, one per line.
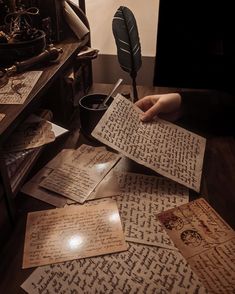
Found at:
<point>50,54</point>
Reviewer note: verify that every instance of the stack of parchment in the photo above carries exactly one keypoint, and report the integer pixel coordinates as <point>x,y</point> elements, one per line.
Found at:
<point>122,232</point>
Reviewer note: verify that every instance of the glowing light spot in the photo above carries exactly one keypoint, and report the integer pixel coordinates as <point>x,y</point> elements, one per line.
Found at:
<point>101,166</point>
<point>114,217</point>
<point>75,242</point>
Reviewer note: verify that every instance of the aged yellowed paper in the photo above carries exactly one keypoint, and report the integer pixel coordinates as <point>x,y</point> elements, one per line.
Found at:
<point>33,189</point>
<point>77,178</point>
<point>82,156</point>
<point>108,187</point>
<point>142,197</point>
<point>32,133</point>
<point>141,269</point>
<point>72,232</point>
<point>206,241</point>
<point>160,145</point>
<point>19,87</point>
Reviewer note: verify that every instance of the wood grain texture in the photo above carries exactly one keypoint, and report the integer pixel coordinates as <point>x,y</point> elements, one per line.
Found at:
<point>219,177</point>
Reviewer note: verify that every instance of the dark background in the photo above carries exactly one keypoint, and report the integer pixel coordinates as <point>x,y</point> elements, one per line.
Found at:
<point>195,44</point>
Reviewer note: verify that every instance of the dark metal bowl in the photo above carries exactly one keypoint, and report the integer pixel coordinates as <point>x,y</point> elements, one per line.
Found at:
<point>12,52</point>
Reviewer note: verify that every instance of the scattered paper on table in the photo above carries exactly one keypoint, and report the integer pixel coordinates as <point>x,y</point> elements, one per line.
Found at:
<point>108,187</point>
<point>72,232</point>
<point>33,188</point>
<point>19,87</point>
<point>141,269</point>
<point>206,241</point>
<point>77,178</point>
<point>32,133</point>
<point>141,183</point>
<point>142,197</point>
<point>160,145</point>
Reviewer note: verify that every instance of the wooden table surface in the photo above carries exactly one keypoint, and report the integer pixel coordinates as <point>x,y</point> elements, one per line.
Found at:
<point>217,187</point>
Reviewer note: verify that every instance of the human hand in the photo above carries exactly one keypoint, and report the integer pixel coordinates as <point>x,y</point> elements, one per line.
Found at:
<point>165,106</point>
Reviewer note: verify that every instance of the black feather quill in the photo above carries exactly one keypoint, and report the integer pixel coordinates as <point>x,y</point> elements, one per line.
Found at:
<point>126,36</point>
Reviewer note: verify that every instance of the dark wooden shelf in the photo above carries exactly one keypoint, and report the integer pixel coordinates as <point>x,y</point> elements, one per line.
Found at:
<point>43,94</point>
<point>16,113</point>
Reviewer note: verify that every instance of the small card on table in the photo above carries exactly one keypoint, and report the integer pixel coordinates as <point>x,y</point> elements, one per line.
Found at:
<point>73,232</point>
<point>206,241</point>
